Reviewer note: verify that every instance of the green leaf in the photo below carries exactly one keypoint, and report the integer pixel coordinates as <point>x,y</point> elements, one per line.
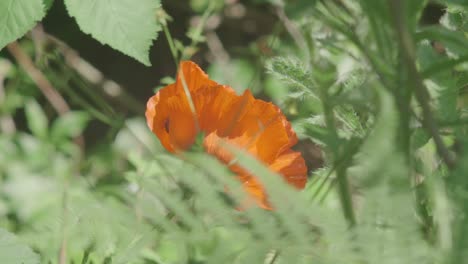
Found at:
<point>454,41</point>
<point>70,124</point>
<point>125,25</point>
<point>442,83</point>
<point>18,17</point>
<point>36,118</point>
<point>455,18</point>
<point>293,73</point>
<point>419,138</point>
<point>12,251</point>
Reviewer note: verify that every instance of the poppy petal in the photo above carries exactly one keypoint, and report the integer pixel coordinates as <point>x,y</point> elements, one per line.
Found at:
<point>254,125</point>
<point>220,109</point>
<point>151,110</point>
<point>194,77</point>
<point>171,119</point>
<point>256,191</point>
<point>268,128</point>
<point>156,113</point>
<point>292,167</point>
<point>170,104</point>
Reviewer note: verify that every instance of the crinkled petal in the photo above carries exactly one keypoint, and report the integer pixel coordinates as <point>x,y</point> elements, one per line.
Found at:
<point>171,119</point>
<point>168,113</point>
<point>194,77</point>
<point>268,129</point>
<point>151,110</point>
<point>292,167</point>
<point>217,108</point>
<point>254,125</point>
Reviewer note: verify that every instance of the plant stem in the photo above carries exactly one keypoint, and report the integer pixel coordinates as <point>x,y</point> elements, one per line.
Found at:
<point>343,184</point>
<point>345,195</point>
<point>422,95</point>
<point>170,42</point>
<point>94,76</point>
<point>54,98</point>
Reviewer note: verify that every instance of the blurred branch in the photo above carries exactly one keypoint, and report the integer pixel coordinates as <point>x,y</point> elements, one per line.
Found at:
<point>220,54</point>
<point>422,95</point>
<point>51,94</point>
<point>38,37</point>
<point>44,85</point>
<point>96,77</point>
<point>216,47</point>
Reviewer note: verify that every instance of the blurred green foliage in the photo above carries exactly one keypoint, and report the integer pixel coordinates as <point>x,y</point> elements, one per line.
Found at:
<point>382,96</point>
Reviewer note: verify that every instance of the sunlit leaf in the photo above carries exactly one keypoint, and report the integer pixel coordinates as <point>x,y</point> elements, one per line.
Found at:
<point>18,17</point>
<point>124,25</point>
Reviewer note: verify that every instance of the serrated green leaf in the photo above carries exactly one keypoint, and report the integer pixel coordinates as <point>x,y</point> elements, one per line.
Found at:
<point>292,72</point>
<point>36,118</point>
<point>18,17</point>
<point>12,251</point>
<point>127,26</point>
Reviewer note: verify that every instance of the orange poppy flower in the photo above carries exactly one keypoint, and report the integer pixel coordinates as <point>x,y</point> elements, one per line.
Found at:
<point>216,110</point>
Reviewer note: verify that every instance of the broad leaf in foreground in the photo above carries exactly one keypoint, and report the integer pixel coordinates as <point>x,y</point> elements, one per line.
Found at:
<point>18,17</point>
<point>126,25</point>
